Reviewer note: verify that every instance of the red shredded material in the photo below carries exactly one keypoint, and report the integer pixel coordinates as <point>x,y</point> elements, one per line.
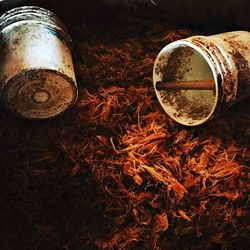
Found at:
<point>115,172</point>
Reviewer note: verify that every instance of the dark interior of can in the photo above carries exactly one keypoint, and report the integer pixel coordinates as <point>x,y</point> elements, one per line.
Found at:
<point>192,106</point>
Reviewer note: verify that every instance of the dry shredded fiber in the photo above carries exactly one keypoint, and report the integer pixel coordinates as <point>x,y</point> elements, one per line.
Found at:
<point>115,172</point>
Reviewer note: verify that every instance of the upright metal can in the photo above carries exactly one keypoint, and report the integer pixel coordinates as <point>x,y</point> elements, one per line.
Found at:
<point>224,58</point>
<point>36,70</point>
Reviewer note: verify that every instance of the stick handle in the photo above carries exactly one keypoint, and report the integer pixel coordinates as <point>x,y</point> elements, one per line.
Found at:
<point>185,85</point>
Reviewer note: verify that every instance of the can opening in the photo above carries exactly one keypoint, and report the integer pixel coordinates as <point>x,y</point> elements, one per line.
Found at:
<point>181,61</point>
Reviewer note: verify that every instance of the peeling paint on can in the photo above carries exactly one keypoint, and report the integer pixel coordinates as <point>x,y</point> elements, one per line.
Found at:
<point>225,58</point>
<point>36,70</point>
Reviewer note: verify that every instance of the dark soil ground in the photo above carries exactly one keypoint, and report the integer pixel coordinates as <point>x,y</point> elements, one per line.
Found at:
<point>114,172</point>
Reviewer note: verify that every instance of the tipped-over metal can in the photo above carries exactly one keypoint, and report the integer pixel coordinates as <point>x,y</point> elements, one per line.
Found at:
<point>36,70</point>
<point>201,76</point>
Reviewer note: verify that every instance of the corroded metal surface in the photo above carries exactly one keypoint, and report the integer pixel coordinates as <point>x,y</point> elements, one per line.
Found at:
<point>223,58</point>
<point>36,69</point>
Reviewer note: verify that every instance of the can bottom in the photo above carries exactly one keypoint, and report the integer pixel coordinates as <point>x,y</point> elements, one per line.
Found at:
<point>39,94</point>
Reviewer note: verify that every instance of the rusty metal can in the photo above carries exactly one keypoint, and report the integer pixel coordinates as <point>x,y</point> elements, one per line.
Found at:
<point>36,69</point>
<point>224,58</point>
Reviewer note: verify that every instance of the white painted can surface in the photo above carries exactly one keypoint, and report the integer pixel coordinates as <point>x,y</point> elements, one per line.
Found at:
<point>36,70</point>
<point>225,58</point>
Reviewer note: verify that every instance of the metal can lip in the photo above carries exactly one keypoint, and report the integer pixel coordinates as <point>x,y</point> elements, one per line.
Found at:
<point>39,94</point>
<point>34,14</point>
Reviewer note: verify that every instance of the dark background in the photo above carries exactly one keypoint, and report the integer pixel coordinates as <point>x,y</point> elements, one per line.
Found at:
<point>227,14</point>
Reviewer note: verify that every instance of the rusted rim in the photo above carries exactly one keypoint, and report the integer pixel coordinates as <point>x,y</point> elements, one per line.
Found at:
<point>35,14</point>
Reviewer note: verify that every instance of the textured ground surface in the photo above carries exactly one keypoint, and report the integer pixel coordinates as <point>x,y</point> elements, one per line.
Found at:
<point>115,172</point>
